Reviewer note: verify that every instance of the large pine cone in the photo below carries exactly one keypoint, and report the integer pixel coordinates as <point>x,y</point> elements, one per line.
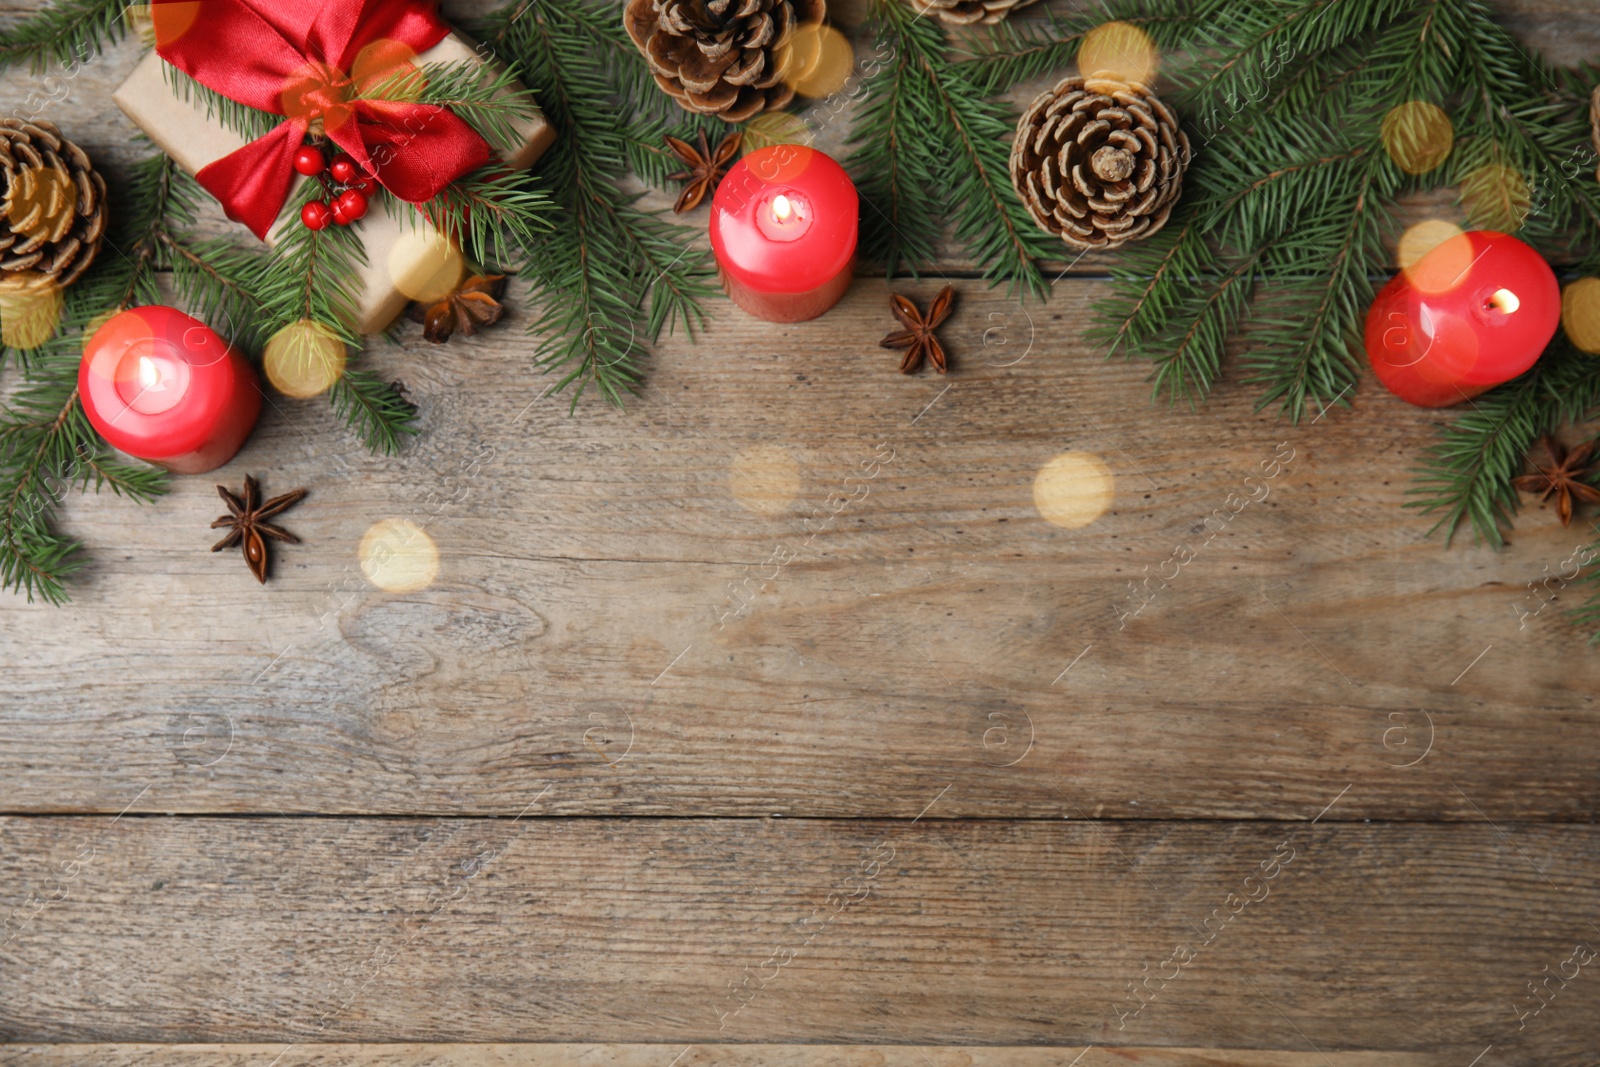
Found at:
<point>1099,162</point>
<point>968,12</point>
<point>55,205</point>
<point>720,57</point>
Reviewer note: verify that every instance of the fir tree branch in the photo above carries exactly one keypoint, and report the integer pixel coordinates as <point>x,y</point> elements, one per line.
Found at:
<point>494,213</point>
<point>66,33</point>
<point>379,411</point>
<point>248,122</point>
<point>923,128</point>
<point>46,441</point>
<point>1467,475</point>
<point>595,272</point>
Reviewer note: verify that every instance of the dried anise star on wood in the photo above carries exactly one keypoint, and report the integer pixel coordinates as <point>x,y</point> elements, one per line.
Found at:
<point>475,303</point>
<point>249,525</point>
<point>1564,476</point>
<point>705,167</point>
<point>918,337</point>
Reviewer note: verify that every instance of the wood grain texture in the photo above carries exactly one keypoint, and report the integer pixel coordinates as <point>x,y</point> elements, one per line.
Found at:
<point>1398,938</point>
<point>559,1055</point>
<point>915,640</point>
<point>607,651</point>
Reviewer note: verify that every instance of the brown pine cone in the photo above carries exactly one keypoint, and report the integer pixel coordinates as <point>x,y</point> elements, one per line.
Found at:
<point>1099,162</point>
<point>968,12</point>
<point>55,205</point>
<point>720,57</point>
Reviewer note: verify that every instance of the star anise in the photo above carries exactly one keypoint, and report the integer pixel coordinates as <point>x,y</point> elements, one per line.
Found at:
<point>705,167</point>
<point>475,303</point>
<point>918,337</point>
<point>1565,476</point>
<point>250,526</point>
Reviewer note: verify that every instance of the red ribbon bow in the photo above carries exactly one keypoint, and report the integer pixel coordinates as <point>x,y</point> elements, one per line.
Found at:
<point>313,59</point>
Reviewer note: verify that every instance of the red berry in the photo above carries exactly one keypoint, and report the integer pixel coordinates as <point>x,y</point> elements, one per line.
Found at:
<point>317,214</point>
<point>365,185</point>
<point>344,169</point>
<point>349,206</point>
<point>308,160</point>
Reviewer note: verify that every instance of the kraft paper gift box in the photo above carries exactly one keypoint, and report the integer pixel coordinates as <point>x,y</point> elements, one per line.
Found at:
<point>183,130</point>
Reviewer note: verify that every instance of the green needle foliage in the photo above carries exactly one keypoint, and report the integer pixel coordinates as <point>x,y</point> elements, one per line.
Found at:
<point>930,144</point>
<point>1289,202</point>
<point>65,33</point>
<point>609,274</point>
<point>1468,474</point>
<point>46,443</point>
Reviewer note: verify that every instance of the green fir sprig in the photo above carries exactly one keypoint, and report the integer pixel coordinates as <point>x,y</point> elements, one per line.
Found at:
<point>47,445</point>
<point>929,144</point>
<point>609,276</point>
<point>64,34</point>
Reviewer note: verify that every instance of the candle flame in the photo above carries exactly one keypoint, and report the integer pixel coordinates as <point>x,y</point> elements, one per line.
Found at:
<point>1504,300</point>
<point>149,376</point>
<point>781,207</point>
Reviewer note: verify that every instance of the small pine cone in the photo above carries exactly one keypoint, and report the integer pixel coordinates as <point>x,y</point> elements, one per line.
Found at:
<point>968,12</point>
<point>720,57</point>
<point>55,205</point>
<point>1099,162</point>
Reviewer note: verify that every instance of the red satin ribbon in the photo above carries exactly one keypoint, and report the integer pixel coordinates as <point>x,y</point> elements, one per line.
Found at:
<point>308,59</point>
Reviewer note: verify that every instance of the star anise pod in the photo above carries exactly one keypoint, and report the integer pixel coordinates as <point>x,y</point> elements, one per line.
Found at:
<point>1566,476</point>
<point>918,337</point>
<point>249,523</point>
<point>475,303</point>
<point>705,167</point>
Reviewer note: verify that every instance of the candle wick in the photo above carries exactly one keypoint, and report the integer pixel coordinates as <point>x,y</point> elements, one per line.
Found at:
<point>149,377</point>
<point>781,207</point>
<point>1504,300</point>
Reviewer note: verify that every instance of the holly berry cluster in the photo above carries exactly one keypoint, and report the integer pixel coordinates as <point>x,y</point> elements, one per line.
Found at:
<point>347,187</point>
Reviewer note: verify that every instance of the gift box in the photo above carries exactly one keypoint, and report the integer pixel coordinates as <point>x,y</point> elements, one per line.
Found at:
<point>182,128</point>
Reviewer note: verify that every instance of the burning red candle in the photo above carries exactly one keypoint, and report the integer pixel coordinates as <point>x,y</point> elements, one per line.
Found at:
<point>1475,311</point>
<point>783,228</point>
<point>163,387</point>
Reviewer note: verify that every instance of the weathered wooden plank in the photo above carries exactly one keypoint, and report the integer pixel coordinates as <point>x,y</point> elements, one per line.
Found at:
<point>1396,938</point>
<point>557,1055</point>
<point>603,620</point>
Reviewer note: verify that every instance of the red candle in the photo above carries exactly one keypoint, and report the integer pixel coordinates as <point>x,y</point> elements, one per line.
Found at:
<point>1474,312</point>
<point>163,387</point>
<point>783,228</point>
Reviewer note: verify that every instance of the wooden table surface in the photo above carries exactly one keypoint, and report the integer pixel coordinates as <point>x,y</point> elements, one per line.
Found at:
<point>695,748</point>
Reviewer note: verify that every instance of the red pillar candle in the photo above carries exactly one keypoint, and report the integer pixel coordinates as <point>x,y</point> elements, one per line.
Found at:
<point>783,228</point>
<point>163,387</point>
<point>1475,311</point>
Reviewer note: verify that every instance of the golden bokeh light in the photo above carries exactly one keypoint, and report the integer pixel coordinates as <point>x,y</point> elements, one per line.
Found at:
<point>1580,314</point>
<point>1119,50</point>
<point>775,127</point>
<point>172,20</point>
<point>303,359</point>
<point>1444,266</point>
<point>1423,238</point>
<point>30,310</point>
<point>392,65</point>
<point>398,556</point>
<point>764,479</point>
<point>1073,489</point>
<point>426,265</point>
<point>1418,136</point>
<point>817,61</point>
<point>1496,198</point>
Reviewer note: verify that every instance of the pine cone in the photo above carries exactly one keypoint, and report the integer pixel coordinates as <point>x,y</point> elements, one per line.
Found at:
<point>968,12</point>
<point>720,57</point>
<point>55,205</point>
<point>1099,162</point>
